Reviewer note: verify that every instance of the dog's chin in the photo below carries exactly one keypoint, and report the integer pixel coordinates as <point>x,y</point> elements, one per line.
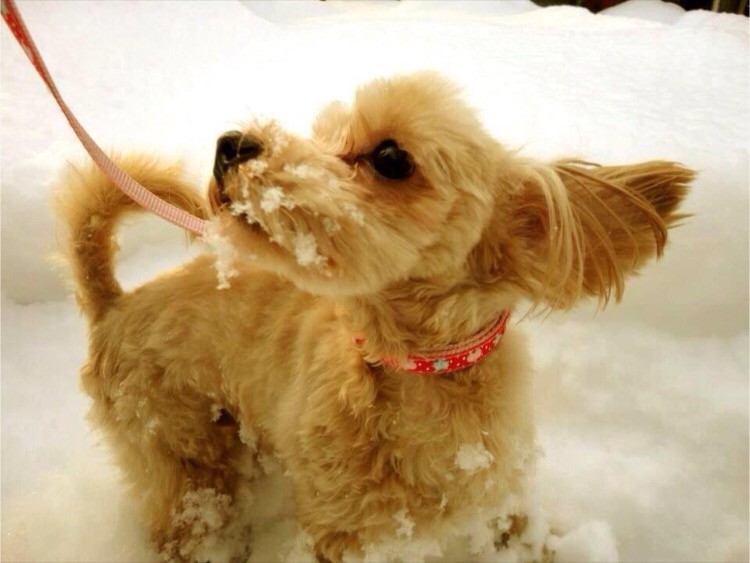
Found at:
<point>257,230</point>
<point>252,236</point>
<point>256,242</point>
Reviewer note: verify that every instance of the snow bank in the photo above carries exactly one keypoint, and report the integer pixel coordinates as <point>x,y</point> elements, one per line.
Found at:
<point>653,10</point>
<point>642,410</point>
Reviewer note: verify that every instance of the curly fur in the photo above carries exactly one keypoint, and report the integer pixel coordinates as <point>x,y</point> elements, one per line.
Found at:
<point>329,249</point>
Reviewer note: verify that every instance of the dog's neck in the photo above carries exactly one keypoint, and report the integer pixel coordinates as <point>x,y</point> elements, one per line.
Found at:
<point>420,315</point>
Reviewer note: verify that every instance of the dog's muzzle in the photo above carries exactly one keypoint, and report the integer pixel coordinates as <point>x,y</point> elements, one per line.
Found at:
<point>232,149</point>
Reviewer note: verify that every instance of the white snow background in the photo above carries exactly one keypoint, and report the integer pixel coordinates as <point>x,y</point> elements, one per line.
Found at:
<point>642,409</point>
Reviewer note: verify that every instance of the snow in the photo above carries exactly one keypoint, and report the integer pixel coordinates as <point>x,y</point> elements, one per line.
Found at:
<point>244,208</point>
<point>406,524</point>
<point>642,410</point>
<point>248,437</point>
<point>256,167</point>
<point>216,412</point>
<point>652,10</point>
<point>204,512</point>
<point>473,457</point>
<point>305,171</point>
<point>331,226</point>
<point>226,255</point>
<point>354,213</point>
<point>306,250</point>
<point>592,542</point>
<point>275,198</point>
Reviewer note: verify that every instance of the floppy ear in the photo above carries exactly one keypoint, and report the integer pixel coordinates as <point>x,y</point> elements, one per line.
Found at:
<point>574,229</point>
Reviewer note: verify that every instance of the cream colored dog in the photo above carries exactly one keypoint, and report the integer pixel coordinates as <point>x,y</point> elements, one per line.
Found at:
<point>393,236</point>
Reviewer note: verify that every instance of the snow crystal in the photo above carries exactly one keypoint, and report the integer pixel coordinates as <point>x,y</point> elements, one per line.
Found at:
<point>274,198</point>
<point>305,171</point>
<point>255,168</point>
<point>204,507</point>
<point>473,457</point>
<point>239,208</point>
<point>306,250</point>
<point>248,436</point>
<point>279,139</point>
<point>354,213</point>
<point>151,426</point>
<point>244,187</point>
<point>226,255</point>
<point>204,513</point>
<point>215,528</point>
<point>332,183</point>
<point>301,550</point>
<point>331,226</point>
<point>407,524</point>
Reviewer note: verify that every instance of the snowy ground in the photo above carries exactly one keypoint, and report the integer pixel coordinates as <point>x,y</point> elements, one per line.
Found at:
<point>642,410</point>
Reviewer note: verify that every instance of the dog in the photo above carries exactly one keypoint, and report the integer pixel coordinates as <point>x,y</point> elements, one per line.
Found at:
<point>353,319</point>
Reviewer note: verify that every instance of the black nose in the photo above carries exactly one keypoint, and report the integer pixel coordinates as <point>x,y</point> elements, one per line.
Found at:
<point>234,148</point>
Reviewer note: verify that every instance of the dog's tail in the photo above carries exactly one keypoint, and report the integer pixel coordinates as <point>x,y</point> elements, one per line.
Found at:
<point>89,206</point>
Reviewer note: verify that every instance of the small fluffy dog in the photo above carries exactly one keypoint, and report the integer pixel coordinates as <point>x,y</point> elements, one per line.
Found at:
<point>356,329</point>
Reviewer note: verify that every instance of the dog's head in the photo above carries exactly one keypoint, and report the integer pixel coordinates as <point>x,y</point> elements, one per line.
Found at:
<point>406,185</point>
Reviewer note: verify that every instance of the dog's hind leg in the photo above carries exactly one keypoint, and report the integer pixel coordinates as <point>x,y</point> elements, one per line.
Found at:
<point>178,450</point>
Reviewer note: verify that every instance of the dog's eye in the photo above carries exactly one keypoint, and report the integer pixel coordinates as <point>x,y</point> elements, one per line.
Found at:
<point>391,162</point>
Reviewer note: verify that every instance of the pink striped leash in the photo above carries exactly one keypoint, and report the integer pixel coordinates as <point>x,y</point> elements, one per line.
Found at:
<point>123,181</point>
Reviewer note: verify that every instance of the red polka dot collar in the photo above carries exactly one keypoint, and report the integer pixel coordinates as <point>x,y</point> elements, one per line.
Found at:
<point>455,357</point>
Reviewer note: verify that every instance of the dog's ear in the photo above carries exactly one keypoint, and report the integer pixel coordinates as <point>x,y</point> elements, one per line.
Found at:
<point>575,229</point>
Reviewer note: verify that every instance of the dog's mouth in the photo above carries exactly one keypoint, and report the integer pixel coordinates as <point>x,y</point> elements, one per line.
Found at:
<point>250,222</point>
<point>220,204</point>
<point>279,223</point>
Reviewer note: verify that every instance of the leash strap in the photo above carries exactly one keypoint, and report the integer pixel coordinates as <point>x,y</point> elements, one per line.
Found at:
<point>122,180</point>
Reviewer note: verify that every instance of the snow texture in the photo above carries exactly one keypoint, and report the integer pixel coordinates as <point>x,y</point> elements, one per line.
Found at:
<point>274,198</point>
<point>473,457</point>
<point>306,250</point>
<point>255,167</point>
<point>406,524</point>
<point>204,512</point>
<point>305,171</point>
<point>592,542</point>
<point>331,226</point>
<point>642,409</point>
<point>657,10</point>
<point>226,255</point>
<point>355,214</point>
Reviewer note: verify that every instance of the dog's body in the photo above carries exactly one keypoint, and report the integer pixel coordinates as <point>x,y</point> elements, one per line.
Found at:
<point>359,255</point>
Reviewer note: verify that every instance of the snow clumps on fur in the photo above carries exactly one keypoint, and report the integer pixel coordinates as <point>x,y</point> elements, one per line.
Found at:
<point>226,255</point>
<point>473,457</point>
